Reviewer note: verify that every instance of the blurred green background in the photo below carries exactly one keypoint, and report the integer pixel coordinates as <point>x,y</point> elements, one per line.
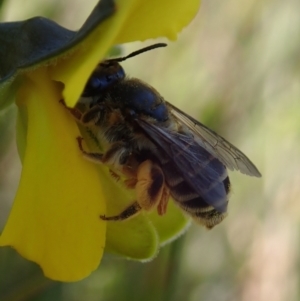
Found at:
<point>236,68</point>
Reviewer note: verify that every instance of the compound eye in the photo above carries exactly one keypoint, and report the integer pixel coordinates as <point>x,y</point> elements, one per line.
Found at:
<point>94,83</point>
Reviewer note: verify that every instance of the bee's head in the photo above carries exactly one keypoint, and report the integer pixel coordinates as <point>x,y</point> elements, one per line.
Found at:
<point>106,74</point>
<point>109,72</point>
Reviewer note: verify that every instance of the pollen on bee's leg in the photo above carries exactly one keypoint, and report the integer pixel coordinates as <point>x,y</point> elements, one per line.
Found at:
<point>129,171</point>
<point>130,183</point>
<point>163,204</point>
<point>150,184</point>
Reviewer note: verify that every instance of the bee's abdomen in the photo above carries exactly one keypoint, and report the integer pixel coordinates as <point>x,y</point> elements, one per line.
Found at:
<point>186,196</point>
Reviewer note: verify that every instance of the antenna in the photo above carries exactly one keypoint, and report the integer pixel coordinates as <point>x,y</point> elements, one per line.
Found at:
<point>137,52</point>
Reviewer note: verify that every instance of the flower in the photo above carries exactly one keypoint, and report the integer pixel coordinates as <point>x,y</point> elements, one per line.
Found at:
<point>55,220</point>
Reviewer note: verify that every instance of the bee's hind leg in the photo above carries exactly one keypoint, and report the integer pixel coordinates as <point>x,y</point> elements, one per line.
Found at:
<point>150,187</point>
<point>151,192</point>
<point>130,211</point>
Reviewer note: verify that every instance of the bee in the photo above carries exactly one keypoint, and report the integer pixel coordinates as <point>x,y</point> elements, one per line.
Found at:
<point>162,152</point>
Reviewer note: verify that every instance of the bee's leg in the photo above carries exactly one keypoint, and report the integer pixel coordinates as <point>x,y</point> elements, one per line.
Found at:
<point>114,175</point>
<point>130,211</point>
<point>162,206</point>
<point>94,115</point>
<point>129,170</point>
<point>130,183</point>
<point>91,116</point>
<point>95,157</point>
<point>150,185</point>
<point>150,191</point>
<point>107,157</point>
<point>74,111</point>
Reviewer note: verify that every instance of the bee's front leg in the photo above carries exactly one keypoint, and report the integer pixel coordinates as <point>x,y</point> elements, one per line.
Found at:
<point>92,116</point>
<point>151,192</point>
<point>95,157</point>
<point>74,111</point>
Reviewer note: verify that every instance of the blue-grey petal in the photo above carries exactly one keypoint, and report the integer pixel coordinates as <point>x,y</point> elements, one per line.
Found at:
<point>37,41</point>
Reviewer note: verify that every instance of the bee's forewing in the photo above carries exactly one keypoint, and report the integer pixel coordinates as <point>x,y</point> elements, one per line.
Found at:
<point>228,154</point>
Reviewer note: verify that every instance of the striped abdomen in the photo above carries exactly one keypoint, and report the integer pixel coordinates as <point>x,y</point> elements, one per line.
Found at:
<point>213,186</point>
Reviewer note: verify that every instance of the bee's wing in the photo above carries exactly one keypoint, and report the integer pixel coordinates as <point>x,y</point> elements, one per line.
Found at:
<point>201,170</point>
<point>216,145</point>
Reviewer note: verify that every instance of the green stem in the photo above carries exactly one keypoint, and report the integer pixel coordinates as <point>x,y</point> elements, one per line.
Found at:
<point>173,270</point>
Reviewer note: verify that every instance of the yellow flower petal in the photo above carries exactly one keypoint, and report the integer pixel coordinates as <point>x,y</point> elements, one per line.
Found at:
<point>135,238</point>
<point>55,217</point>
<point>155,18</point>
<point>134,20</point>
